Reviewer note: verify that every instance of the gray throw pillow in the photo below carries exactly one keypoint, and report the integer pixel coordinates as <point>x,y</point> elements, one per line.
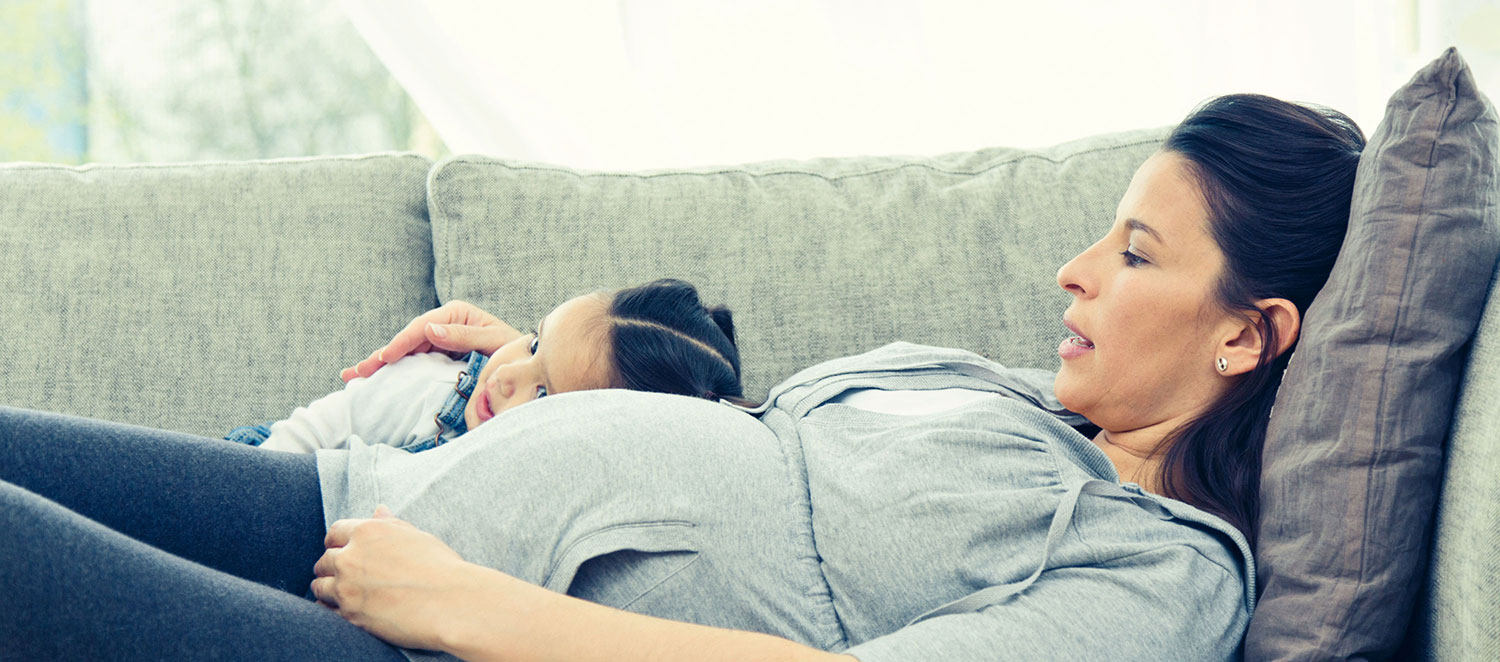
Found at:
<point>1354,451</point>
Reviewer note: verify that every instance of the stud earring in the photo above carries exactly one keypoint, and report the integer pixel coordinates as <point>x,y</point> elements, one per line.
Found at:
<point>1223,364</point>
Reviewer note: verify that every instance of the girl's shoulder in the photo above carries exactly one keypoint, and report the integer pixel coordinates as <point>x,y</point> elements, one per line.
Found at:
<point>426,366</point>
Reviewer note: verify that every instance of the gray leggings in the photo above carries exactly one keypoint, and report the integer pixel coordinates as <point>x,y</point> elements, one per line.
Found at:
<point>123,542</point>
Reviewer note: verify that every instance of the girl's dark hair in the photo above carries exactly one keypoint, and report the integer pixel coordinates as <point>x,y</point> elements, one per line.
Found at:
<point>1277,178</point>
<point>665,340</point>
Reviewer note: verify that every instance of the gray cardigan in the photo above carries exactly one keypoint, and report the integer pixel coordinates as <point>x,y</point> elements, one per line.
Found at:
<point>989,531</point>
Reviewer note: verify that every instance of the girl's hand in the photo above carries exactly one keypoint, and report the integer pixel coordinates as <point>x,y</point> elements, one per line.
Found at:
<point>392,579</point>
<point>458,327</point>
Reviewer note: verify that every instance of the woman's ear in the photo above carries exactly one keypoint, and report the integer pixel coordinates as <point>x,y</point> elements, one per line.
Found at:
<point>1284,316</point>
<point>1242,345</point>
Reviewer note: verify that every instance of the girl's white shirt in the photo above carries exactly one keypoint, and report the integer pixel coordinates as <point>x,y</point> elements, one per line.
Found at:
<point>395,406</point>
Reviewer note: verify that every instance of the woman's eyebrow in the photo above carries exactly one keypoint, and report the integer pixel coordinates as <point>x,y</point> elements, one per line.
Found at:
<point>1137,225</point>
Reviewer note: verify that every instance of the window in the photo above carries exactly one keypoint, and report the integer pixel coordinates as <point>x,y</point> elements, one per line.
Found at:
<point>188,80</point>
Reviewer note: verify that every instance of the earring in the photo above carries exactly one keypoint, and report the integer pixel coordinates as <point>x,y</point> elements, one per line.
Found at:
<point>1223,364</point>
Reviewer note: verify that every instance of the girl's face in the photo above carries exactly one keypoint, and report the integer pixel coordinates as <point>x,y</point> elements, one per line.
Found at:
<point>1144,297</point>
<point>567,352</point>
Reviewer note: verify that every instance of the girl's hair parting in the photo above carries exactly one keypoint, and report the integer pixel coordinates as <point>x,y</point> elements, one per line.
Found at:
<point>666,341</point>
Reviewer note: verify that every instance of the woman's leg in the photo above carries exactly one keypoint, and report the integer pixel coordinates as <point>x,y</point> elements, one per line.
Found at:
<point>76,590</point>
<point>252,513</point>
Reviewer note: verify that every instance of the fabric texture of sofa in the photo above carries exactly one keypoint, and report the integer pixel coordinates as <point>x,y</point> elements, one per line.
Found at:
<point>198,297</point>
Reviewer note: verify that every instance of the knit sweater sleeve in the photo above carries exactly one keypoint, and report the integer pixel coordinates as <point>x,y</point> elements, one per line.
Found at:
<point>1171,603</point>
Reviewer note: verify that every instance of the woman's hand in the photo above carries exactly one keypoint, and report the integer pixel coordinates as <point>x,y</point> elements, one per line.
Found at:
<point>458,327</point>
<point>410,589</point>
<point>394,580</point>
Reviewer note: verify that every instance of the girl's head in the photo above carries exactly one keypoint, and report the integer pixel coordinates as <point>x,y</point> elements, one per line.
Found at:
<point>1218,247</point>
<point>655,337</point>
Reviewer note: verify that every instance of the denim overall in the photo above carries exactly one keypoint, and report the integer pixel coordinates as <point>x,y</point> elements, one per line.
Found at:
<point>449,418</point>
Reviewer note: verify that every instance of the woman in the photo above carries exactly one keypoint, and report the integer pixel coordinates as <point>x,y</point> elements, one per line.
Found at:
<point>971,517</point>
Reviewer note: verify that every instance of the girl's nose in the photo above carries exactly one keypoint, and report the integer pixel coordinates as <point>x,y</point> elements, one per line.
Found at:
<point>516,380</point>
<point>505,380</point>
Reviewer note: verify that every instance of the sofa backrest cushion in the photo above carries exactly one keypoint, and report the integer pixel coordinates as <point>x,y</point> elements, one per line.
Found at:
<point>1354,448</point>
<point>199,297</point>
<point>818,259</point>
<point>1455,617</point>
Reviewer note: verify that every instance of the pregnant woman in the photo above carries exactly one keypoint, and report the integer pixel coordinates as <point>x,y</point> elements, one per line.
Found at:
<point>912,503</point>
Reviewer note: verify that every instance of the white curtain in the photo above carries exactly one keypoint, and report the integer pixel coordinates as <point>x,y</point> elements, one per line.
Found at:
<point>633,84</point>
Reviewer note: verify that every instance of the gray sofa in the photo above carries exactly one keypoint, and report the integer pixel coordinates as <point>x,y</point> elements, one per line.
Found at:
<point>198,297</point>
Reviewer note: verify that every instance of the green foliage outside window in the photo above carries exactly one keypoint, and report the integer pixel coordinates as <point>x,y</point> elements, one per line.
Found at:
<point>188,80</point>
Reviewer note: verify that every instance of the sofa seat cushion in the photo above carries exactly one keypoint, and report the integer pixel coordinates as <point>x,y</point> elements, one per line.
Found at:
<point>199,297</point>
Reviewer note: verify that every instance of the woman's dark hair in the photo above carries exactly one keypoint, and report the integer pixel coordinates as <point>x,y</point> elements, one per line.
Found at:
<point>665,340</point>
<point>1277,178</point>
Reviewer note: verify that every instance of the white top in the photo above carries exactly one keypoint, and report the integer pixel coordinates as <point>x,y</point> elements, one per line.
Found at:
<point>910,403</point>
<point>394,407</point>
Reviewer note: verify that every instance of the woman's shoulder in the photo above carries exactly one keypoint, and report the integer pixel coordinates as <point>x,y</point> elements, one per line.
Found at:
<point>1121,520</point>
<point>903,365</point>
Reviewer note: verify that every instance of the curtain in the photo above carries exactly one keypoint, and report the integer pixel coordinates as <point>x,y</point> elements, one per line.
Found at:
<point>635,84</point>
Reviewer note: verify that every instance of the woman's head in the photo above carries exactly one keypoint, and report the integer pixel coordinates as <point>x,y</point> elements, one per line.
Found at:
<point>655,337</point>
<point>1219,245</point>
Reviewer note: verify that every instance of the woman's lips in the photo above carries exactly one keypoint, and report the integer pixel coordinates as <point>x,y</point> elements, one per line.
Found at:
<point>1073,348</point>
<point>1076,346</point>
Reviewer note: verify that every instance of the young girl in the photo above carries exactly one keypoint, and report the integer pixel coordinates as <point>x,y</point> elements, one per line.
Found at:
<point>655,337</point>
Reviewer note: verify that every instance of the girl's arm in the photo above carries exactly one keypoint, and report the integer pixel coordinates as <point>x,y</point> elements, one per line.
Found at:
<point>383,409</point>
<point>407,587</point>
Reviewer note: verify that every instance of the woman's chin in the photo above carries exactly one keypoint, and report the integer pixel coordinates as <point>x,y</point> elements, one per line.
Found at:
<point>1066,388</point>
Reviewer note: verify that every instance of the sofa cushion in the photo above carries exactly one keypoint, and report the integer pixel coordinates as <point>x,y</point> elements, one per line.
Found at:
<point>1456,618</point>
<point>199,297</point>
<point>1353,453</point>
<point>818,259</point>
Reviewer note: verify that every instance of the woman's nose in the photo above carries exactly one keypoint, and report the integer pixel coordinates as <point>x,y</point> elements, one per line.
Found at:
<point>1070,276</point>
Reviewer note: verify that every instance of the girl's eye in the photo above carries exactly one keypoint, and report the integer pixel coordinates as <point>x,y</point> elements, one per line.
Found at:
<point>534,340</point>
<point>541,392</point>
<point>1131,259</point>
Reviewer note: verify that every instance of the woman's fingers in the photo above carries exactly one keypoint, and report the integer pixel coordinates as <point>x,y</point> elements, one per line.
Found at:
<point>322,589</point>
<point>343,532</point>
<point>389,577</point>
<point>462,338</point>
<point>456,318</point>
<point>340,532</point>
<point>324,566</point>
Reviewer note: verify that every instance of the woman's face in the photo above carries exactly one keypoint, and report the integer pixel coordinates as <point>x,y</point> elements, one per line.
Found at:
<point>1143,296</point>
<point>566,353</point>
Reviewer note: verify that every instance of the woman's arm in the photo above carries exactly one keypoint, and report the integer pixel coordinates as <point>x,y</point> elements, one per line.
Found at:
<point>457,327</point>
<point>542,625</point>
<point>407,587</point>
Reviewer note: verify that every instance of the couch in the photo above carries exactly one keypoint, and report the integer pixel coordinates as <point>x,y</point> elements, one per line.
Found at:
<point>198,297</point>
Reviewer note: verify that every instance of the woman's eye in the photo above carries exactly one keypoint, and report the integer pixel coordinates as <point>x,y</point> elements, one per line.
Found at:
<point>534,340</point>
<point>541,392</point>
<point>1131,259</point>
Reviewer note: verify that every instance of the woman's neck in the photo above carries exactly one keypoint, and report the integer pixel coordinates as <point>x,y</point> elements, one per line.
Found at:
<point>1135,454</point>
